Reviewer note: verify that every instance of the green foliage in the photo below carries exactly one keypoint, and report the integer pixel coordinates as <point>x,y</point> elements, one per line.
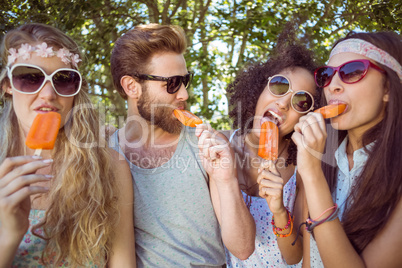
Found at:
<point>223,36</point>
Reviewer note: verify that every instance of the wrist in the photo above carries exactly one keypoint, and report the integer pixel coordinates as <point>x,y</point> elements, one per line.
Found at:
<point>281,214</point>
<point>311,174</point>
<point>9,239</point>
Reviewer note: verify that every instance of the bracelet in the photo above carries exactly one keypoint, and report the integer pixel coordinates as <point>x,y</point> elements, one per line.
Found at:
<point>310,224</point>
<point>277,229</point>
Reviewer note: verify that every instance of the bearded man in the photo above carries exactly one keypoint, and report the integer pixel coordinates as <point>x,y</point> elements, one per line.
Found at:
<point>183,208</point>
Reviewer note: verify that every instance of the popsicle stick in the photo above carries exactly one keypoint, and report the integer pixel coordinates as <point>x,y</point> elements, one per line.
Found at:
<point>38,152</point>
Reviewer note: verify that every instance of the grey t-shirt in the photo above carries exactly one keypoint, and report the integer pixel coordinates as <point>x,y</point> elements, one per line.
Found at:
<point>175,224</point>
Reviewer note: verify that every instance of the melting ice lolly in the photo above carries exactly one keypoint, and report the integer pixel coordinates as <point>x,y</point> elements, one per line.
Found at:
<point>268,148</point>
<point>187,118</point>
<point>43,132</point>
<point>331,110</point>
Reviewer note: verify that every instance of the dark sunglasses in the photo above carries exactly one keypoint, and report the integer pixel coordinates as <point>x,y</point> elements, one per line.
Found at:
<point>29,79</point>
<point>173,82</point>
<point>301,101</point>
<point>350,72</point>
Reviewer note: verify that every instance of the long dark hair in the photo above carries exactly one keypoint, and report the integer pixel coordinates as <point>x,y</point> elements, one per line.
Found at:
<point>378,189</point>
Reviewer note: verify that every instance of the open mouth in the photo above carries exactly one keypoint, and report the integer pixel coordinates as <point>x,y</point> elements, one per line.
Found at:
<point>273,117</point>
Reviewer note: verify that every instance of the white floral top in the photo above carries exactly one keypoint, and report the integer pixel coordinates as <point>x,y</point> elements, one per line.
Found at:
<point>266,253</point>
<point>30,250</point>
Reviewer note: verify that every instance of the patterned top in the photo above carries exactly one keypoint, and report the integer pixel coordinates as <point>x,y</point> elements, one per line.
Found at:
<point>30,250</point>
<point>346,180</point>
<point>266,253</point>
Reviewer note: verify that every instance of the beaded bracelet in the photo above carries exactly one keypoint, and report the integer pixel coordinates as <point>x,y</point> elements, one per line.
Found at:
<point>277,229</point>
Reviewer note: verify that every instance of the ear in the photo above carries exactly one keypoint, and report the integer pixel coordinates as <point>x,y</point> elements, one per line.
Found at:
<point>6,87</point>
<point>131,87</point>
<point>385,98</point>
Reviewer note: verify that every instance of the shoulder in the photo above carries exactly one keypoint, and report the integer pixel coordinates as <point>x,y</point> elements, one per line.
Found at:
<point>119,164</point>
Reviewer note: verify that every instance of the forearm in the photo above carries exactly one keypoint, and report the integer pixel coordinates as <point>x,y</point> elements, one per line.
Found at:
<point>333,244</point>
<point>8,248</point>
<point>285,238</point>
<point>237,224</point>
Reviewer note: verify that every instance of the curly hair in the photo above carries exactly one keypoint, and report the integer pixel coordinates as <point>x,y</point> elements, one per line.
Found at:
<point>83,211</point>
<point>250,83</point>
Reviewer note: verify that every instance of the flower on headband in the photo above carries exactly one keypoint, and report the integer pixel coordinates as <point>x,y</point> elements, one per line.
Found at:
<point>25,51</point>
<point>75,59</point>
<point>44,51</point>
<point>13,55</point>
<point>65,55</point>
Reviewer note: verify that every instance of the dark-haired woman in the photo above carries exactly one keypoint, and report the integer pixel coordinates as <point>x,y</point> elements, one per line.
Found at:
<point>354,193</point>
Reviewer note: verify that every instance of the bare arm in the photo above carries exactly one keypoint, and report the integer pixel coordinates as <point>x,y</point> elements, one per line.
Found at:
<point>334,246</point>
<point>271,188</point>
<point>123,249</point>
<point>237,224</point>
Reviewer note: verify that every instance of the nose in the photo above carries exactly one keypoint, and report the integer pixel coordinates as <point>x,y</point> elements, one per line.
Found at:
<point>336,84</point>
<point>283,102</point>
<point>182,94</point>
<point>47,91</point>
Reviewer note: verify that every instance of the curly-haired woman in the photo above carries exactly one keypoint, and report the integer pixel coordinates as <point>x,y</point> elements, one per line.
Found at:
<point>280,90</point>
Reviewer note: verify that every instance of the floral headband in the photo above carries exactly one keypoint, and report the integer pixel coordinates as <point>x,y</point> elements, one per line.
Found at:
<point>368,50</point>
<point>43,51</point>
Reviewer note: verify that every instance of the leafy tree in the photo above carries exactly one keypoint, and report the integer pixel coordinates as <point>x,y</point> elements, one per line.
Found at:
<point>223,35</point>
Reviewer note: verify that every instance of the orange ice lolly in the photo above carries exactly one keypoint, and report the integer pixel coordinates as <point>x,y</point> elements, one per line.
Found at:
<point>43,132</point>
<point>187,118</point>
<point>331,110</point>
<point>269,138</point>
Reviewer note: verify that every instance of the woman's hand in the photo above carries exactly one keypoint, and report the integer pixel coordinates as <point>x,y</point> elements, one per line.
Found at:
<point>271,186</point>
<point>17,174</point>
<point>310,136</point>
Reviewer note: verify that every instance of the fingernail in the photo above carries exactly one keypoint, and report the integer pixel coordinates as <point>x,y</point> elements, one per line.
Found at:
<point>37,157</point>
<point>48,161</point>
<point>49,176</point>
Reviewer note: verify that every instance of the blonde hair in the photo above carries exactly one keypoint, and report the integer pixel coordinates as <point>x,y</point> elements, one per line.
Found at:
<point>83,211</point>
<point>134,50</point>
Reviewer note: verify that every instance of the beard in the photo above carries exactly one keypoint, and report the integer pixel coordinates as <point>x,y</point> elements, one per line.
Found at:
<point>159,114</point>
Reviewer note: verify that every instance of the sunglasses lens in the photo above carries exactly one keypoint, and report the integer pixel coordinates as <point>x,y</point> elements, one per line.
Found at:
<point>352,72</point>
<point>66,82</point>
<point>174,84</point>
<point>323,76</point>
<point>187,79</point>
<point>27,79</point>
<point>302,101</point>
<point>278,85</point>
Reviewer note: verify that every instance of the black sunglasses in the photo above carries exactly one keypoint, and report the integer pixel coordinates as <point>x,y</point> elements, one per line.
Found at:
<point>173,82</point>
<point>350,72</point>
<point>30,79</point>
<point>301,101</point>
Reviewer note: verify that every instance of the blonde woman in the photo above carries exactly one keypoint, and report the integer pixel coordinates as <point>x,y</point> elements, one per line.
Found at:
<point>71,206</point>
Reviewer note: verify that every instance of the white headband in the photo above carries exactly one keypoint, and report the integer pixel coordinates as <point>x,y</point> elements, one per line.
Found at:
<point>43,51</point>
<point>368,50</point>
